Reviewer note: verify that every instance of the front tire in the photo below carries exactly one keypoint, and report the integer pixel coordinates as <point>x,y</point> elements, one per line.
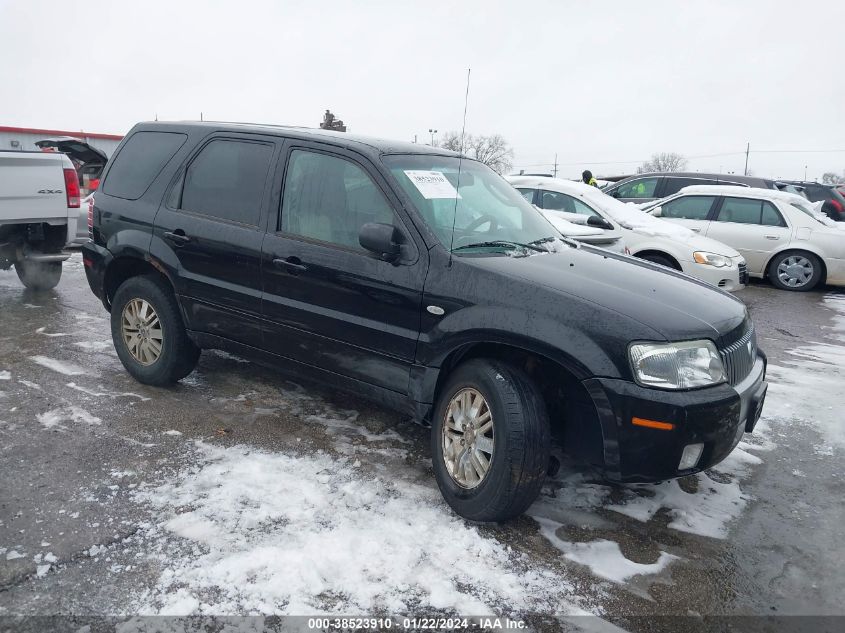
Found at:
<point>490,441</point>
<point>795,270</point>
<point>39,275</point>
<point>148,332</point>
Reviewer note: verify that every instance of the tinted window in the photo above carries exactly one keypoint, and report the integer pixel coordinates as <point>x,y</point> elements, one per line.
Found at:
<point>528,194</point>
<point>564,202</point>
<point>688,207</point>
<point>329,199</point>
<point>673,184</point>
<point>640,188</point>
<point>747,211</point>
<point>771,216</point>
<point>556,201</point>
<point>139,161</point>
<point>226,181</point>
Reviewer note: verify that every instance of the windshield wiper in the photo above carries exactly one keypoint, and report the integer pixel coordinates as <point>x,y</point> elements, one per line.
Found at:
<point>503,243</point>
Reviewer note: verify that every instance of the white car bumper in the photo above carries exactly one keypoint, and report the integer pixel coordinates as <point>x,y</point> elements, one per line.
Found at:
<point>727,277</point>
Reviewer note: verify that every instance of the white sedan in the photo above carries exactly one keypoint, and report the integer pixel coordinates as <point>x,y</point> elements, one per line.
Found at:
<point>646,237</point>
<point>781,235</point>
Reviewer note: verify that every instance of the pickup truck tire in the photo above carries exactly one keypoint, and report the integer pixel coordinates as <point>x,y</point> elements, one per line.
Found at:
<point>515,453</point>
<point>148,333</point>
<point>39,275</point>
<point>799,271</point>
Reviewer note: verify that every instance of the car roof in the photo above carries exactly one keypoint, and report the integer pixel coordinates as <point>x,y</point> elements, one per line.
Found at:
<point>698,174</point>
<point>742,192</point>
<point>573,187</point>
<point>361,143</point>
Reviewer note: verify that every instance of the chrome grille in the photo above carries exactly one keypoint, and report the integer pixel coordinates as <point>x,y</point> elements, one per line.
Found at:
<point>739,356</point>
<point>743,273</point>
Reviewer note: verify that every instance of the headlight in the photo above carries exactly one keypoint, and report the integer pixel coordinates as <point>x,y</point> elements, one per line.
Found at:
<point>711,259</point>
<point>684,365</point>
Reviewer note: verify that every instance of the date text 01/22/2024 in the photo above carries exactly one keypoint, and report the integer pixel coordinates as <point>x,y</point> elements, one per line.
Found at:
<point>415,624</point>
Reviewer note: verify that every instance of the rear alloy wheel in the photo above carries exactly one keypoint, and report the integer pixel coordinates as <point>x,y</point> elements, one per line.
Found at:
<point>795,271</point>
<point>489,440</point>
<point>148,333</point>
<point>39,275</point>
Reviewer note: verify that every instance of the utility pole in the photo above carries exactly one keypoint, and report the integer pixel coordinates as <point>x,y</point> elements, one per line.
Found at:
<point>555,169</point>
<point>747,150</point>
<point>415,138</point>
<point>805,173</point>
<point>432,131</point>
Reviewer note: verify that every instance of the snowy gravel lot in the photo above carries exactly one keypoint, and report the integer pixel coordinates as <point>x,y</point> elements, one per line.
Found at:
<point>241,492</point>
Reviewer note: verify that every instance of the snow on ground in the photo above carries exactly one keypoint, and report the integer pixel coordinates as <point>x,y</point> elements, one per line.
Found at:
<point>55,418</point>
<point>310,533</point>
<point>5,374</point>
<point>62,367</point>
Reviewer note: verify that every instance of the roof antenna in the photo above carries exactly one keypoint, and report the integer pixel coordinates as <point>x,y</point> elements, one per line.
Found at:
<point>460,161</point>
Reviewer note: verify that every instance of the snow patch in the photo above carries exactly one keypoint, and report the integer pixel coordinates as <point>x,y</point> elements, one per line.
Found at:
<point>55,417</point>
<point>173,432</point>
<point>279,533</point>
<point>5,375</point>
<point>62,367</point>
<point>95,346</point>
<point>57,334</point>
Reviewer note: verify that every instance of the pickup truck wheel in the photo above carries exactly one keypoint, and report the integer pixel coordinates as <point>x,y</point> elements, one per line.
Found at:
<point>490,441</point>
<point>795,270</point>
<point>148,332</point>
<point>39,275</point>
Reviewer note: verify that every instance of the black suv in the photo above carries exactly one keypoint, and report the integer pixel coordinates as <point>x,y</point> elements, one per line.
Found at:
<point>833,202</point>
<point>653,186</point>
<point>423,280</point>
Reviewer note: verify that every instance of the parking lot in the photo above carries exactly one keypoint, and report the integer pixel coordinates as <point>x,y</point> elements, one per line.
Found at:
<point>241,491</point>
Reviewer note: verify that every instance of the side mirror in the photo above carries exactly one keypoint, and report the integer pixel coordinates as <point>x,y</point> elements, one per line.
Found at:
<point>599,223</point>
<point>657,211</point>
<point>383,240</point>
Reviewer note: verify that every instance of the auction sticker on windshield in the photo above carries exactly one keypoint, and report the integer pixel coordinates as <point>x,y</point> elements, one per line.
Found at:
<point>432,184</point>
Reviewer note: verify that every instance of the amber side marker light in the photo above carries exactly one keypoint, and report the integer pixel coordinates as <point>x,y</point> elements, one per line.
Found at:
<point>652,424</point>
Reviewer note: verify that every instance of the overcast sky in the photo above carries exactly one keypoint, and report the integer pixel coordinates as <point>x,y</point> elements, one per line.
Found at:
<point>595,82</point>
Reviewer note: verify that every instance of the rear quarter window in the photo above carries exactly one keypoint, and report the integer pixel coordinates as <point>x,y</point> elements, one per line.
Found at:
<point>139,161</point>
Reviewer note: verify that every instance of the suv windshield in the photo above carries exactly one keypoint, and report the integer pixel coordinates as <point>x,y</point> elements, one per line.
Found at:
<point>489,212</point>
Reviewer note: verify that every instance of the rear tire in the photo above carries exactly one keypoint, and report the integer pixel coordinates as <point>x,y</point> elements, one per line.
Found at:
<point>798,271</point>
<point>39,275</point>
<point>148,332</point>
<point>518,444</point>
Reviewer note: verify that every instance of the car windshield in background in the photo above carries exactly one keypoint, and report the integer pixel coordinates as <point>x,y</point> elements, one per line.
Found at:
<point>488,215</point>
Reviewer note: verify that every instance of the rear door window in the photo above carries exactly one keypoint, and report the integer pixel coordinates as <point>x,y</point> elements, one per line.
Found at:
<point>139,161</point>
<point>748,211</point>
<point>557,201</point>
<point>688,207</point>
<point>226,180</point>
<point>673,184</point>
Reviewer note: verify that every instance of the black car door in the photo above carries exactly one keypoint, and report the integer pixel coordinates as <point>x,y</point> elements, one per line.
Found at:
<point>208,234</point>
<point>327,302</point>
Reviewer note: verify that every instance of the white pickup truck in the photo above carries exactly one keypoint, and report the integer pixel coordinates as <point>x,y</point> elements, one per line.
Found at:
<point>39,215</point>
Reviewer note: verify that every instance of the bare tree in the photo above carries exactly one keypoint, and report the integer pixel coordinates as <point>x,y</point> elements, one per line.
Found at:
<point>493,150</point>
<point>832,178</point>
<point>664,161</point>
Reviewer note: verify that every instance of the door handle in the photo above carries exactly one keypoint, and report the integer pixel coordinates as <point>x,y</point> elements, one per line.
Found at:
<point>293,265</point>
<point>696,230</point>
<point>772,237</point>
<point>177,236</point>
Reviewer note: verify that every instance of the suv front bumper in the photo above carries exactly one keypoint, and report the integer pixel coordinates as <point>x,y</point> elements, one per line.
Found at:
<point>716,417</point>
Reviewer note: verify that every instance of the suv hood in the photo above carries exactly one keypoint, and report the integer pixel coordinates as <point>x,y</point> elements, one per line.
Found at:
<point>674,305</point>
<point>78,150</point>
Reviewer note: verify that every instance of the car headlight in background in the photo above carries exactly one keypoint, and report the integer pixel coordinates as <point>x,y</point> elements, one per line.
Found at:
<point>684,365</point>
<point>711,259</point>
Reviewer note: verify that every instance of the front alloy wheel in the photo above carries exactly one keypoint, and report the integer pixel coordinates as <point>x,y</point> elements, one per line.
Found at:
<point>142,331</point>
<point>468,438</point>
